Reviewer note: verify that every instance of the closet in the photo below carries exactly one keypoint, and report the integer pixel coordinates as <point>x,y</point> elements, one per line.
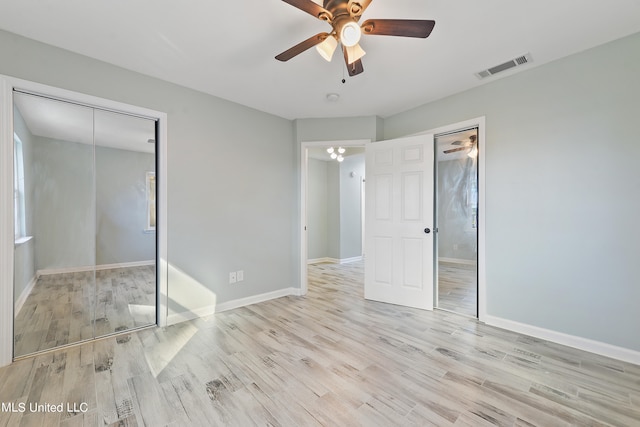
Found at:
<point>84,221</point>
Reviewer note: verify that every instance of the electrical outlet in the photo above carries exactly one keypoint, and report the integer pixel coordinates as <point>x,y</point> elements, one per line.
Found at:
<point>240,275</point>
<point>232,277</point>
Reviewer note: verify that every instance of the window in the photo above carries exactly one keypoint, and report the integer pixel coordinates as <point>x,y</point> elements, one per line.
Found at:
<point>18,189</point>
<point>151,201</point>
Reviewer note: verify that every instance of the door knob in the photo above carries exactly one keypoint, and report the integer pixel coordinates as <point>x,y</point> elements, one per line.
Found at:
<point>427,230</point>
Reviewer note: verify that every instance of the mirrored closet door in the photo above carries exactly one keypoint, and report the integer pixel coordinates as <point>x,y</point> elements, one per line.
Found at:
<point>84,196</point>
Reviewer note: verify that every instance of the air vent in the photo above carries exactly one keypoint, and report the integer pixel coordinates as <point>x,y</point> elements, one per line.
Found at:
<point>520,60</point>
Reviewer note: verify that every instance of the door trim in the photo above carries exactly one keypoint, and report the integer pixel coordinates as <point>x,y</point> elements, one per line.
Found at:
<point>7,86</point>
<point>304,146</point>
<point>478,122</point>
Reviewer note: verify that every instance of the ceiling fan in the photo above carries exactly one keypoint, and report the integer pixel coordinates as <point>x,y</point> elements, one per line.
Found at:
<point>343,16</point>
<point>464,145</point>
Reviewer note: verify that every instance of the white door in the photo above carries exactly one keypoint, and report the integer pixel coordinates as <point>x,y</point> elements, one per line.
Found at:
<point>399,222</point>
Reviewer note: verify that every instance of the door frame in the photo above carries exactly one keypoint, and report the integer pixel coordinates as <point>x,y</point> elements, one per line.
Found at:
<point>304,162</point>
<point>478,122</point>
<point>7,86</point>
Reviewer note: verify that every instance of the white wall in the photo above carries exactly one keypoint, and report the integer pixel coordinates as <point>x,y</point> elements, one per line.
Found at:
<point>562,185</point>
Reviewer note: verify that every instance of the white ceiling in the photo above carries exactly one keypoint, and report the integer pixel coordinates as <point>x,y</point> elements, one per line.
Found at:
<point>227,48</point>
<point>75,123</point>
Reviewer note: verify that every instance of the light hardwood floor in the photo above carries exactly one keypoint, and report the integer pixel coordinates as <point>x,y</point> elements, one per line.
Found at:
<point>457,288</point>
<point>71,307</point>
<point>327,359</point>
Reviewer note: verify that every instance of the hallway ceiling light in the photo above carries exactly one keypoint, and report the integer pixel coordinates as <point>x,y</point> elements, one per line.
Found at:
<point>336,153</point>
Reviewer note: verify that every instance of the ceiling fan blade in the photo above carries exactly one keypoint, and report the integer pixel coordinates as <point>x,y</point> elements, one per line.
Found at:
<point>453,150</point>
<point>301,47</point>
<point>311,8</point>
<point>398,27</point>
<point>354,68</point>
<point>357,7</point>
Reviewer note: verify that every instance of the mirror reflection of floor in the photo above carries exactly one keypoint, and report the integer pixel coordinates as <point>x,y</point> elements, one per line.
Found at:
<point>62,307</point>
<point>457,287</point>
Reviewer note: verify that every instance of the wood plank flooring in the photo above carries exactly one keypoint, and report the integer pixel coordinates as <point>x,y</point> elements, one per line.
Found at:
<point>62,307</point>
<point>330,358</point>
<point>457,288</point>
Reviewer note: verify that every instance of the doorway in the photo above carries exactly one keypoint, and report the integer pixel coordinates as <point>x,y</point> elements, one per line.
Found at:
<point>331,204</point>
<point>456,211</point>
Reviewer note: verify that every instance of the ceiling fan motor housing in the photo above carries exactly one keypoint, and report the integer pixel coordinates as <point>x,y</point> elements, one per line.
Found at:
<point>337,7</point>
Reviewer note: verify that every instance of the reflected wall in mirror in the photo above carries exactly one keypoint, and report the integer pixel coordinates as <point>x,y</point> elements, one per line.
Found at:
<point>84,256</point>
<point>457,221</point>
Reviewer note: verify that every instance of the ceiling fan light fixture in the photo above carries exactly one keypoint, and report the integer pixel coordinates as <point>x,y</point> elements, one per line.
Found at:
<point>341,150</point>
<point>473,153</point>
<point>340,158</point>
<point>327,47</point>
<point>334,156</point>
<point>350,34</point>
<point>354,53</point>
<point>330,150</point>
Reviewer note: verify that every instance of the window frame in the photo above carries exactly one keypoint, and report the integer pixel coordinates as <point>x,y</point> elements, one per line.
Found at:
<point>19,209</point>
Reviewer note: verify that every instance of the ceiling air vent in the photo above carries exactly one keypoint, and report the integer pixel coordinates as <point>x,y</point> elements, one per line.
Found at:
<point>515,62</point>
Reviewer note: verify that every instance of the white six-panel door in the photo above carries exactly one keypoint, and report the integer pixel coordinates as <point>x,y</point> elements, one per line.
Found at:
<point>399,222</point>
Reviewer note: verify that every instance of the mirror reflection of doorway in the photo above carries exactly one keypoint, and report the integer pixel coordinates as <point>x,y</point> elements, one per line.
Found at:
<point>85,252</point>
<point>457,221</point>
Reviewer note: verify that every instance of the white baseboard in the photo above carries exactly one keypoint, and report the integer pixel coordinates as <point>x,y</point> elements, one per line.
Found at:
<point>328,260</point>
<point>24,294</point>
<point>321,260</point>
<point>174,318</point>
<point>458,261</point>
<point>597,347</point>
<point>352,259</point>
<point>94,267</point>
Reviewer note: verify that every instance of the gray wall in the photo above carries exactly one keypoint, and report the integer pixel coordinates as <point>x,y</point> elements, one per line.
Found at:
<point>231,175</point>
<point>562,185</point>
<point>75,227</point>
<point>121,203</point>
<point>339,129</point>
<point>457,239</point>
<point>64,205</point>
<point>59,182</point>
<point>333,208</point>
<point>317,209</point>
<point>350,206</point>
